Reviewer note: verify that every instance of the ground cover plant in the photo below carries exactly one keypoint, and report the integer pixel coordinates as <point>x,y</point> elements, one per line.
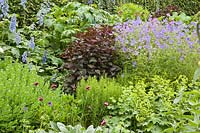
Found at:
<point>71,67</point>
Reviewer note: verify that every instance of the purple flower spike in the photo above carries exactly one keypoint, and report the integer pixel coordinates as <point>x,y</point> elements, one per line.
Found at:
<point>23,3</point>
<point>24,57</point>
<point>90,2</point>
<point>32,43</point>
<point>13,21</point>
<point>17,38</point>
<point>44,58</point>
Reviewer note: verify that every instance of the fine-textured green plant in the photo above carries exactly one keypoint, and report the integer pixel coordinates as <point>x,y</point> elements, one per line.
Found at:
<point>28,102</point>
<point>157,105</point>
<point>131,11</point>
<point>93,54</point>
<point>94,97</point>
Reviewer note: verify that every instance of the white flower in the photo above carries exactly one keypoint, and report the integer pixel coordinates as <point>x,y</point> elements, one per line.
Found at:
<point>1,50</point>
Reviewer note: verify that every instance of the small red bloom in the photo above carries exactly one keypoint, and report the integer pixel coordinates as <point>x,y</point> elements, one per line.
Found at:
<point>53,86</point>
<point>88,88</point>
<point>36,84</point>
<point>106,104</point>
<point>103,122</point>
<point>40,99</point>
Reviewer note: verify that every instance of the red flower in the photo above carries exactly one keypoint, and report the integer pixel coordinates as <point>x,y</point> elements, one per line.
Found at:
<point>103,122</point>
<point>88,88</point>
<point>53,86</point>
<point>36,84</point>
<point>106,104</point>
<point>40,99</point>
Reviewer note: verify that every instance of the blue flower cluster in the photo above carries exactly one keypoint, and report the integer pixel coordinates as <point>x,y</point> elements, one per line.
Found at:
<point>45,8</point>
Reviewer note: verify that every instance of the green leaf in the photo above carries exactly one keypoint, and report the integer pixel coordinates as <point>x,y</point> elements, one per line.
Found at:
<point>58,27</point>
<point>196,75</point>
<point>62,127</point>
<point>15,52</point>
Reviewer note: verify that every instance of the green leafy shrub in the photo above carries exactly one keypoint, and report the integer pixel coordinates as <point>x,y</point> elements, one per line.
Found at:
<point>93,54</point>
<point>28,102</point>
<point>131,11</point>
<point>63,22</point>
<point>156,105</point>
<point>189,7</point>
<point>180,17</point>
<point>94,96</point>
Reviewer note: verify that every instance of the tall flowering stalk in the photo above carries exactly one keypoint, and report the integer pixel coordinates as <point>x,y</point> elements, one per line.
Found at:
<point>13,22</point>
<point>4,8</point>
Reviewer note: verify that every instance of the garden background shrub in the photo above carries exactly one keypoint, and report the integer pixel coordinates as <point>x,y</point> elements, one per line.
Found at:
<point>28,102</point>
<point>189,7</point>
<point>130,11</point>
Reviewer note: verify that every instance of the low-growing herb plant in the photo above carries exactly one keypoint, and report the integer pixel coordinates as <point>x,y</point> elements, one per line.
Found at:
<point>94,97</point>
<point>27,101</point>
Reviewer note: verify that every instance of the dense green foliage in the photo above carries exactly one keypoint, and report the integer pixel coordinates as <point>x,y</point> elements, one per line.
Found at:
<point>28,102</point>
<point>157,105</point>
<point>191,7</point>
<point>131,11</point>
<point>67,63</point>
<point>63,22</point>
<point>94,98</point>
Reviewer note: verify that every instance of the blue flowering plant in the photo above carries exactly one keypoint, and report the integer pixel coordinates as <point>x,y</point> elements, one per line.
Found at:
<point>154,47</point>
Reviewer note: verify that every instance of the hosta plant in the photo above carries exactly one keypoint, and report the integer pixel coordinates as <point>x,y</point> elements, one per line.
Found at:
<point>61,128</point>
<point>93,54</point>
